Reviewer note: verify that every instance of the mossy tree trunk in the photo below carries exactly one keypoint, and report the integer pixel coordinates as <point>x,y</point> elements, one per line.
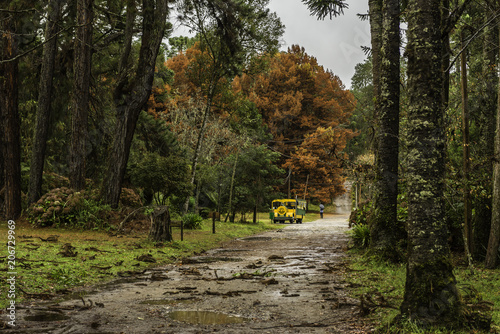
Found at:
<point>384,228</point>
<point>81,94</point>
<point>493,250</point>
<point>431,296</point>
<point>161,229</point>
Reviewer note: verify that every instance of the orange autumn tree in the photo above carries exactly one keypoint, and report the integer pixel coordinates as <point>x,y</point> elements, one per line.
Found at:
<point>306,110</point>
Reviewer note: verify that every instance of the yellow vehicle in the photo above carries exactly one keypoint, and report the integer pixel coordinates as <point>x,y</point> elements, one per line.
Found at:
<point>292,210</point>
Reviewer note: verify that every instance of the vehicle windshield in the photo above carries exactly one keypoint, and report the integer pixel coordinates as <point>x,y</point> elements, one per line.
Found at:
<point>288,205</point>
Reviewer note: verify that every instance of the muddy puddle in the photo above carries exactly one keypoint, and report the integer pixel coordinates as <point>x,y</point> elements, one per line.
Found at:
<point>206,318</point>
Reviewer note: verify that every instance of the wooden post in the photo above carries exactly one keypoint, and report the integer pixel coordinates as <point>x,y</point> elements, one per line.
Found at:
<point>305,190</point>
<point>289,180</point>
<point>213,221</point>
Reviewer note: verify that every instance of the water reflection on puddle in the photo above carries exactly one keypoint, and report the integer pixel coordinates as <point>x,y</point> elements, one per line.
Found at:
<point>206,318</point>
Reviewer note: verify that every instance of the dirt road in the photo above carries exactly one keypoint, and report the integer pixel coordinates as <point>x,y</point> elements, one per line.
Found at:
<point>286,281</point>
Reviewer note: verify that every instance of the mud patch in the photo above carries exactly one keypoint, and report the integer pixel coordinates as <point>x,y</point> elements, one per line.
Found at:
<point>197,260</point>
<point>169,301</point>
<point>46,317</point>
<point>287,283</point>
<point>257,239</point>
<point>206,318</point>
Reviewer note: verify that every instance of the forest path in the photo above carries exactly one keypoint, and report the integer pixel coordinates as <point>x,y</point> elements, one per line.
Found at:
<point>286,281</point>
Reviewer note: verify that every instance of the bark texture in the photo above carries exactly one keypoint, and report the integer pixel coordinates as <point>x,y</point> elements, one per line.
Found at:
<point>487,110</point>
<point>81,93</point>
<point>376,23</point>
<point>161,229</point>
<point>10,122</point>
<point>44,101</point>
<point>493,250</point>
<point>385,231</point>
<point>431,296</point>
<point>132,92</point>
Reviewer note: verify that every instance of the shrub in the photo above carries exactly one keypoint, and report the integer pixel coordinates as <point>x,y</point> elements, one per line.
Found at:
<point>192,221</point>
<point>66,207</point>
<point>360,235</point>
<point>359,216</point>
<point>128,197</point>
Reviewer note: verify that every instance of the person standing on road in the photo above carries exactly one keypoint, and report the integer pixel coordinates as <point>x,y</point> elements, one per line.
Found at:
<point>321,208</point>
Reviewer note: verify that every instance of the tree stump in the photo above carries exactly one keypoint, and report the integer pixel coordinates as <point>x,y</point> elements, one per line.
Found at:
<point>161,229</point>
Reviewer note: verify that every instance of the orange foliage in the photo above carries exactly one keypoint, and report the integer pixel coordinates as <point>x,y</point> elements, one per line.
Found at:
<point>306,109</point>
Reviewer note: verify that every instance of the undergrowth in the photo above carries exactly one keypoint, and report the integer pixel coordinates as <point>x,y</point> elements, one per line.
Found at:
<point>380,287</point>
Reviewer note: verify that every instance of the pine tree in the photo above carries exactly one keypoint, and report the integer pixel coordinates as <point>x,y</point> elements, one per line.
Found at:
<point>431,295</point>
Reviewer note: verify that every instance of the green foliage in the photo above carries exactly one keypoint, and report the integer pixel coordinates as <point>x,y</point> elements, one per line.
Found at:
<point>192,221</point>
<point>360,235</point>
<point>362,120</point>
<point>65,277</point>
<point>359,216</point>
<point>256,175</point>
<point>161,176</point>
<point>156,164</point>
<point>179,44</point>
<point>66,207</point>
<point>322,8</point>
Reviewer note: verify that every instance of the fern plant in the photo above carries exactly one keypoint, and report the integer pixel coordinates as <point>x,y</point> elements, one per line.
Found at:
<point>192,221</point>
<point>360,235</point>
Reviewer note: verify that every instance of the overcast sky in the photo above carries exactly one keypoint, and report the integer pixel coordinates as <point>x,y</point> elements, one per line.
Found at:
<point>335,43</point>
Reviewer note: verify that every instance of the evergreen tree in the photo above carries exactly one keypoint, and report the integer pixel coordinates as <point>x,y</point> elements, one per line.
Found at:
<point>44,101</point>
<point>385,232</point>
<point>133,89</point>
<point>431,295</point>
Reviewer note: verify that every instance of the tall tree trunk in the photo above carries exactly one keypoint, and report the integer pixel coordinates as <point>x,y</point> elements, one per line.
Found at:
<point>488,103</point>
<point>44,101</point>
<point>376,28</point>
<point>493,250</point>
<point>81,94</point>
<point>431,296</point>
<point>384,227</point>
<point>446,53</point>
<point>197,150</point>
<point>230,207</point>
<point>10,122</point>
<point>466,154</point>
<point>131,94</point>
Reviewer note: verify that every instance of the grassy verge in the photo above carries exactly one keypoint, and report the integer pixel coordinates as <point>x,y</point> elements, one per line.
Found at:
<point>50,261</point>
<point>381,285</point>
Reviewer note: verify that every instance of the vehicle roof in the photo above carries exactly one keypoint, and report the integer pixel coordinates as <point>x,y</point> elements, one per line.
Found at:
<point>289,200</point>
